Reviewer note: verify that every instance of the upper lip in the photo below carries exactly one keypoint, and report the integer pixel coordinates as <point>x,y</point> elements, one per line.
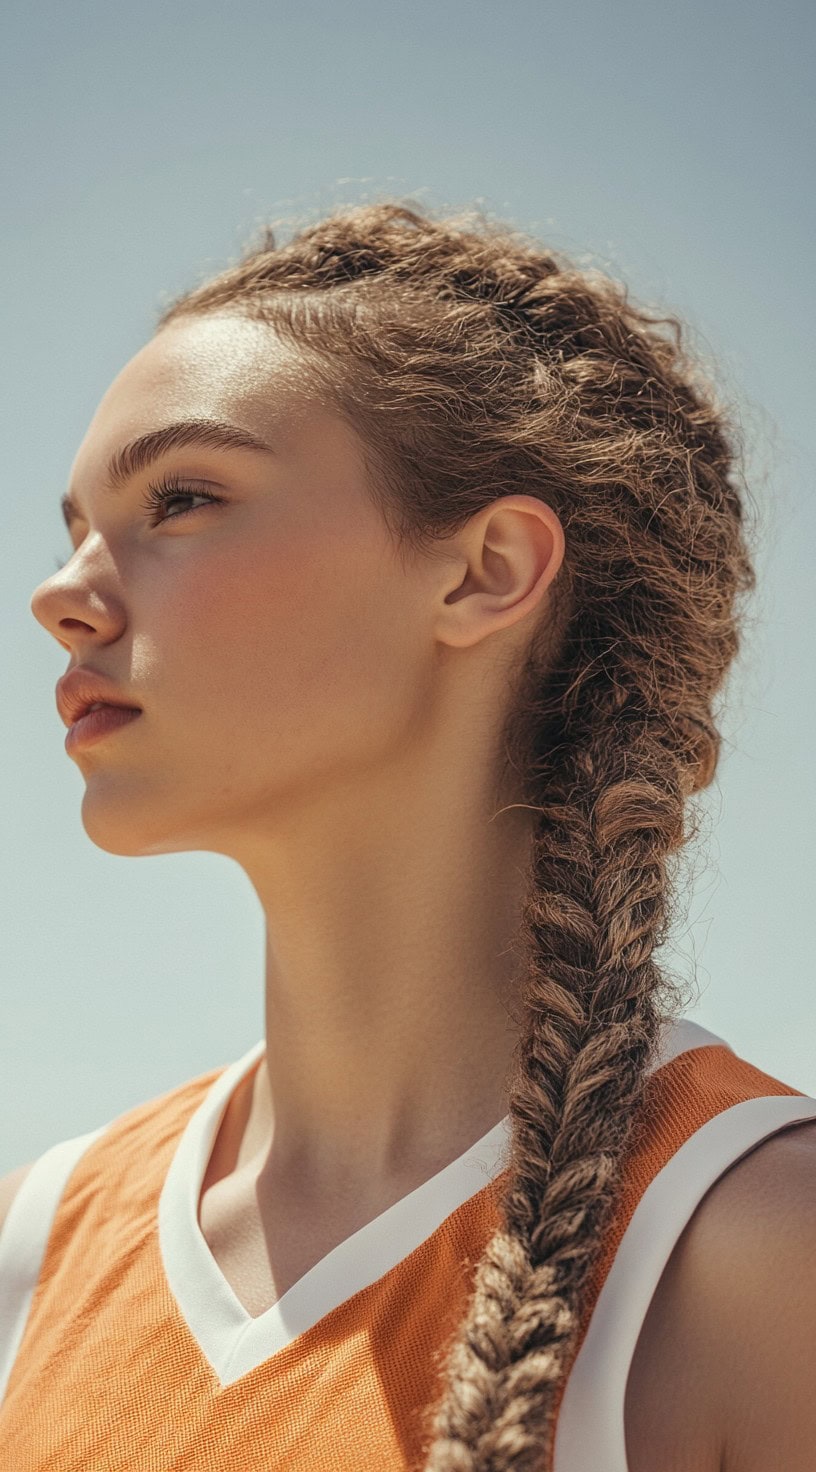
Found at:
<point>82,687</point>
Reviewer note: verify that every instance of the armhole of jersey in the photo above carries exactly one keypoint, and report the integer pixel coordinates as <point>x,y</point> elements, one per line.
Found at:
<point>590,1431</point>
<point>24,1238</point>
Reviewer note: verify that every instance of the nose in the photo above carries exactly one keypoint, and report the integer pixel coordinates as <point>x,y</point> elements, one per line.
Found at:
<point>69,605</point>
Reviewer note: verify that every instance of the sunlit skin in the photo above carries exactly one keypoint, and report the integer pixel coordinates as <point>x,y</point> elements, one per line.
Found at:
<point>327,713</point>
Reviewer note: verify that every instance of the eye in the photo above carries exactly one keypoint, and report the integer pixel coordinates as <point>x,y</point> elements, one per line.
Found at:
<point>156,498</point>
<point>161,493</point>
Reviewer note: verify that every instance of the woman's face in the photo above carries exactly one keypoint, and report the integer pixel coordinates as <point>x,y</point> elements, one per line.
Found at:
<point>276,642</point>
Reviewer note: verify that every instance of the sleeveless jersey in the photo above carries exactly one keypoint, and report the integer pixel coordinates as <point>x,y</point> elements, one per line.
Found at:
<point>124,1349</point>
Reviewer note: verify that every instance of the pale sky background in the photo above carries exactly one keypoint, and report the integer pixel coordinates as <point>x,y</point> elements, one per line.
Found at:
<point>144,145</point>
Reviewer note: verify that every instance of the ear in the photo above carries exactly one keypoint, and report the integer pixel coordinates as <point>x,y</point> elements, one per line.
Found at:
<point>504,560</point>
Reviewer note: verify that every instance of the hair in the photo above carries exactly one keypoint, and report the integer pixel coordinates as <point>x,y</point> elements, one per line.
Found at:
<point>476,363</point>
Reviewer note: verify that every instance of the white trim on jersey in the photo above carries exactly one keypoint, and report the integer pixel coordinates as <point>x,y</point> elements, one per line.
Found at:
<point>233,1342</point>
<point>24,1238</point>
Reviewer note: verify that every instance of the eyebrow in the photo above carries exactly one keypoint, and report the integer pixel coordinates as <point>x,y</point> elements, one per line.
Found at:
<point>210,434</point>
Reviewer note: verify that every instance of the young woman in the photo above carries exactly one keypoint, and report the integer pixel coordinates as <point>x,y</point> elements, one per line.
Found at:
<point>408,563</point>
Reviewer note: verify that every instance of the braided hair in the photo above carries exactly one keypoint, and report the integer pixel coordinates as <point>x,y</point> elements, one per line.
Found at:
<point>475,363</point>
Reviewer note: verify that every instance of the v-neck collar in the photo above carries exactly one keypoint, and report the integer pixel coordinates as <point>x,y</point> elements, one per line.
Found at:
<point>235,1343</point>
<point>228,1336</point>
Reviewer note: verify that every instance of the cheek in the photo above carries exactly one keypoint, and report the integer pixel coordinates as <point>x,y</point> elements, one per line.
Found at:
<point>313,644</point>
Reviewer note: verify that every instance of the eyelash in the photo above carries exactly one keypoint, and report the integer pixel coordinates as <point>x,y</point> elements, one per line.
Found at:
<point>159,493</point>
<point>171,489</point>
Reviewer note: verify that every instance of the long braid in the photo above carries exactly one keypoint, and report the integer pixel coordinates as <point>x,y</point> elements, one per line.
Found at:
<point>474,364</point>
<point>594,915</point>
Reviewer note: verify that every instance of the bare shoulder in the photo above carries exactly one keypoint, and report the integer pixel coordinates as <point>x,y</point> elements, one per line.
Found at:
<point>721,1379</point>
<point>755,1263</point>
<point>9,1186</point>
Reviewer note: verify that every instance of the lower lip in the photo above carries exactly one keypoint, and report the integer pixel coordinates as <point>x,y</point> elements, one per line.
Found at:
<point>98,723</point>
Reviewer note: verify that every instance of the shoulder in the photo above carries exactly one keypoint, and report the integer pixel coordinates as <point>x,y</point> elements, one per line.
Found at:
<point>9,1186</point>
<point>760,1234</point>
<point>741,1288</point>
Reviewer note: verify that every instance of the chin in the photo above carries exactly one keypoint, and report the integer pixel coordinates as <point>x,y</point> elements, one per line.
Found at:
<point>134,819</point>
<point>126,828</point>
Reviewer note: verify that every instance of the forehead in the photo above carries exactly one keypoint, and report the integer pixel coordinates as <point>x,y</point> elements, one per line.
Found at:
<point>219,366</point>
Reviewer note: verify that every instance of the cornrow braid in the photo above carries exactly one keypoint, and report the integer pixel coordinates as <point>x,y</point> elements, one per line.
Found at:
<point>476,364</point>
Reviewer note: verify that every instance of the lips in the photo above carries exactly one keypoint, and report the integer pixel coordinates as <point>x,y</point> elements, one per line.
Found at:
<point>83,687</point>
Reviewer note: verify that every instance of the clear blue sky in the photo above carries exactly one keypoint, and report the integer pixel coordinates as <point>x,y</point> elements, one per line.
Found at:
<point>144,145</point>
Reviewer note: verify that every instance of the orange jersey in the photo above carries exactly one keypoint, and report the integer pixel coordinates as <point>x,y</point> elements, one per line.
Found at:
<point>124,1349</point>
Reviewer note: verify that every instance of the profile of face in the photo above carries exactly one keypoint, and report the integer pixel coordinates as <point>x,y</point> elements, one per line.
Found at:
<point>272,636</point>
<point>284,651</point>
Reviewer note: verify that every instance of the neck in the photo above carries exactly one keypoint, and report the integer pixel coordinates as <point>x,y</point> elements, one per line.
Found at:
<point>391,972</point>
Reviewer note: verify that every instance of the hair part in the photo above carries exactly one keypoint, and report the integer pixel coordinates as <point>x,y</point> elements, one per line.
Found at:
<point>475,363</point>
